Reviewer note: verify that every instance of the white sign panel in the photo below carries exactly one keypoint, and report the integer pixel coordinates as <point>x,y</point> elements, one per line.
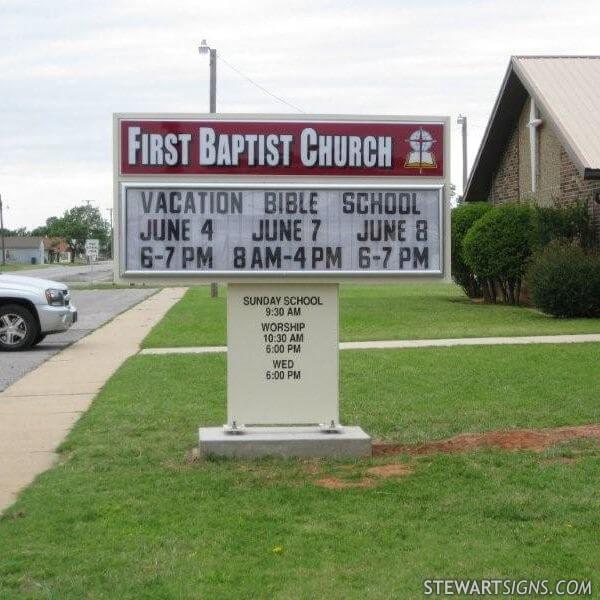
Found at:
<point>92,246</point>
<point>282,365</point>
<point>235,230</point>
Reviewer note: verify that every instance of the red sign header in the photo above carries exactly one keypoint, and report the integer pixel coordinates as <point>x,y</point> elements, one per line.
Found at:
<point>281,148</point>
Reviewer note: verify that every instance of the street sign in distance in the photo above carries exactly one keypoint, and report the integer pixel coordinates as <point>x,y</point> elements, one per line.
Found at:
<point>92,247</point>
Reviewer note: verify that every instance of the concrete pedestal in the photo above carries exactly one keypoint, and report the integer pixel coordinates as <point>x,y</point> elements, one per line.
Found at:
<point>285,442</point>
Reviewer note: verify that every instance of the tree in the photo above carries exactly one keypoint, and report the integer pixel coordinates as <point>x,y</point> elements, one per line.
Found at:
<point>497,249</point>
<point>41,231</point>
<point>77,225</point>
<point>463,218</point>
<point>20,232</point>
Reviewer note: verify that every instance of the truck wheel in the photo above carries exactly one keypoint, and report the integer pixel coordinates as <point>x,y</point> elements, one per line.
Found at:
<point>18,327</point>
<point>38,339</point>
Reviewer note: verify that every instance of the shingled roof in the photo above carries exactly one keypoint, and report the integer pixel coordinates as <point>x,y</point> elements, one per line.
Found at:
<point>22,242</point>
<point>566,93</point>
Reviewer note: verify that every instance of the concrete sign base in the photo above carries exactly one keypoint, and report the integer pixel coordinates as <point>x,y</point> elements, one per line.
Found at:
<point>284,442</point>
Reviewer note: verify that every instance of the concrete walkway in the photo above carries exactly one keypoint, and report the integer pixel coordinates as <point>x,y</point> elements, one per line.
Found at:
<point>37,412</point>
<point>96,307</point>
<point>391,344</point>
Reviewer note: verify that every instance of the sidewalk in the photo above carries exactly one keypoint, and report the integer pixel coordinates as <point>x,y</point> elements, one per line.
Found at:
<point>391,344</point>
<point>37,412</point>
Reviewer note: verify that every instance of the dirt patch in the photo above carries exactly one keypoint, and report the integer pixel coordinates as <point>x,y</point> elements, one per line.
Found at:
<point>370,481</point>
<point>391,470</point>
<point>192,456</point>
<point>312,467</point>
<point>516,439</point>
<point>334,483</point>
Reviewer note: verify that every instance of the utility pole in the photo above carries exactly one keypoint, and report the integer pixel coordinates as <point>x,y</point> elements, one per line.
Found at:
<point>203,48</point>
<point>213,80</point>
<point>2,233</point>
<point>462,120</point>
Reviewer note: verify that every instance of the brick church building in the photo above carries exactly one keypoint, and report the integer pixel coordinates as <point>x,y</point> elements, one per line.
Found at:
<point>542,142</point>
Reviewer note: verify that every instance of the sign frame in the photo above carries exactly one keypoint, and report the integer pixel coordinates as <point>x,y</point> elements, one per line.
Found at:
<point>288,181</point>
<point>301,276</point>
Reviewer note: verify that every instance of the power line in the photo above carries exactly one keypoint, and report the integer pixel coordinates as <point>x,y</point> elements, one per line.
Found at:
<point>260,87</point>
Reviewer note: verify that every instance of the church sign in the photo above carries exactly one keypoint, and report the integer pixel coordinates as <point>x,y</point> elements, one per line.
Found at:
<point>282,209</point>
<point>237,198</point>
<point>293,148</point>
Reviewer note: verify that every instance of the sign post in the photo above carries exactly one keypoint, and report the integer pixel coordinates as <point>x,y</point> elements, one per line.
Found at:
<point>282,209</point>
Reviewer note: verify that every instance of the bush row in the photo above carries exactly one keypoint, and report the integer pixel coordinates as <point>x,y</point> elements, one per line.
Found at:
<point>564,281</point>
<point>496,248</point>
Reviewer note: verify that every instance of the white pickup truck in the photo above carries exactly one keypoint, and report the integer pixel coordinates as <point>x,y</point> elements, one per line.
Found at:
<point>30,309</point>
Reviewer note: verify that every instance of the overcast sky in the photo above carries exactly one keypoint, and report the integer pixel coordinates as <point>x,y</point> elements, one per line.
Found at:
<point>66,66</point>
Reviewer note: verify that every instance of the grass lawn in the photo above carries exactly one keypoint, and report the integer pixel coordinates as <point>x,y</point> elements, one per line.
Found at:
<point>19,267</point>
<point>126,514</point>
<point>80,285</point>
<point>412,311</point>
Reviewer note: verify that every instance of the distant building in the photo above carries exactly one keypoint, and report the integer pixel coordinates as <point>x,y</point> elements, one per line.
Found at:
<point>56,250</point>
<point>24,250</point>
<point>543,138</point>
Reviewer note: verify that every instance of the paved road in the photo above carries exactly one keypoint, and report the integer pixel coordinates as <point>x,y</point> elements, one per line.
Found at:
<point>95,307</point>
<point>100,272</point>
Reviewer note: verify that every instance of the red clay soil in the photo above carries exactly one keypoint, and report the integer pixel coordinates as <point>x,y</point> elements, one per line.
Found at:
<point>391,470</point>
<point>381,472</point>
<point>516,439</point>
<point>333,483</point>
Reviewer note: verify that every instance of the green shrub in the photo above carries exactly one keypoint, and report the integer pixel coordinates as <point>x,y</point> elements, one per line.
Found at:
<point>497,248</point>
<point>564,281</point>
<point>463,218</point>
<point>570,223</point>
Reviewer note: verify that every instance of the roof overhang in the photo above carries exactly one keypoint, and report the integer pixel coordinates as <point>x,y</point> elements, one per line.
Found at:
<point>509,102</point>
<point>516,87</point>
<point>550,117</point>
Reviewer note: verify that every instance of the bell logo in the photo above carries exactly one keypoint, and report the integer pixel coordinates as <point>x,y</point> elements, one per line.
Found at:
<point>420,155</point>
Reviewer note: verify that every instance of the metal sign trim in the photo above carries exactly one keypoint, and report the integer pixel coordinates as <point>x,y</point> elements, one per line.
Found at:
<point>331,275</point>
